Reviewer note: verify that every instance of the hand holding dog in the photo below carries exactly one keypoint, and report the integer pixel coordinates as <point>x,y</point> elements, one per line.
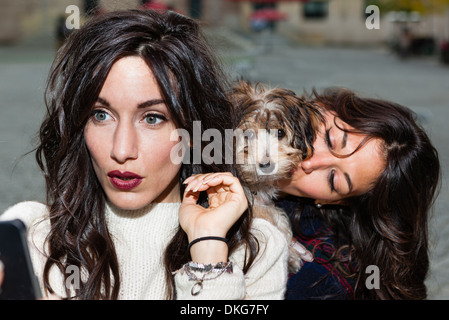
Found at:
<point>227,202</point>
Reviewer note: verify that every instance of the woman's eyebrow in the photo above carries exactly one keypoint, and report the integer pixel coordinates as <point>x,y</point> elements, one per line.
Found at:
<point>142,105</point>
<point>103,102</point>
<point>344,140</point>
<point>150,103</point>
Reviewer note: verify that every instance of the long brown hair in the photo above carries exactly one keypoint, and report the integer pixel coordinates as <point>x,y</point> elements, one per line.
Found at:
<point>388,226</point>
<point>193,87</point>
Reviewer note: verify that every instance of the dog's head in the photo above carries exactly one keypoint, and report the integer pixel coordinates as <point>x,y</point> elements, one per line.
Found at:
<point>277,129</point>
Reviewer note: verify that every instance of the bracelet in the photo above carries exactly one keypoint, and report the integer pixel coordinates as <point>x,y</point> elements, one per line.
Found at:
<point>206,238</point>
<point>206,269</point>
<point>220,267</point>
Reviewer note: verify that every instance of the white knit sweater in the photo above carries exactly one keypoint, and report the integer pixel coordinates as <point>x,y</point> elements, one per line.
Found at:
<point>140,238</point>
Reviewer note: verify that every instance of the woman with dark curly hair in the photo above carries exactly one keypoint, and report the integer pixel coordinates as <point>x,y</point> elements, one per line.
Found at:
<point>135,222</point>
<point>366,196</point>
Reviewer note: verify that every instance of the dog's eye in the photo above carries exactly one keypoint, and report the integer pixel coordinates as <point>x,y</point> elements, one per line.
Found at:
<point>280,134</point>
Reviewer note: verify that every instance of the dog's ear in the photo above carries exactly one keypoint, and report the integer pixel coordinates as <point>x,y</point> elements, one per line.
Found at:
<point>307,120</point>
<point>244,93</point>
<point>245,98</point>
<point>238,95</point>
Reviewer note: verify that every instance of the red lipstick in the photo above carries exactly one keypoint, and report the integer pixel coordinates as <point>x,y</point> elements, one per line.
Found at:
<point>124,180</point>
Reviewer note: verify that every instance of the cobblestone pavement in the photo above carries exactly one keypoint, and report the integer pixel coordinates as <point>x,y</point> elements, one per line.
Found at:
<point>421,84</point>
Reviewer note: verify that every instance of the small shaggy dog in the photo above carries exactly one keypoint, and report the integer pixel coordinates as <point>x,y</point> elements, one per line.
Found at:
<point>277,131</point>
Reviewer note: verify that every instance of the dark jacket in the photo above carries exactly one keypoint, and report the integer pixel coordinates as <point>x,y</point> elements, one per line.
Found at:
<point>320,279</point>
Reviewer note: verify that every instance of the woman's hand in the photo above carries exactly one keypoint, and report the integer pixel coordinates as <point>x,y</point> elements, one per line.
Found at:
<point>227,202</point>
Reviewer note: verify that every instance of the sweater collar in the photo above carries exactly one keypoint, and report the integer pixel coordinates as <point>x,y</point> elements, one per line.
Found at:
<point>114,211</point>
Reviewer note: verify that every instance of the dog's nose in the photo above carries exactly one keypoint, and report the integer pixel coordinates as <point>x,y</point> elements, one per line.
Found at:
<point>267,168</point>
<point>265,165</point>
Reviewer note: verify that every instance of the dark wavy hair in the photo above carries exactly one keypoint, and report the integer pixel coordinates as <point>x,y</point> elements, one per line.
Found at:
<point>387,226</point>
<point>193,87</point>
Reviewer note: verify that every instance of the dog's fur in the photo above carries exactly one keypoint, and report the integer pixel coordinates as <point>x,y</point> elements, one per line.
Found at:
<point>266,156</point>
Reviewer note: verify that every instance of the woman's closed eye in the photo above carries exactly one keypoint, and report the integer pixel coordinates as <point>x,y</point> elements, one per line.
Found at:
<point>343,181</point>
<point>331,180</point>
<point>336,139</point>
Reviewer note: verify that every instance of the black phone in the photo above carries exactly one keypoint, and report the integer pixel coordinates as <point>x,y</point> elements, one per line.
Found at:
<point>20,282</point>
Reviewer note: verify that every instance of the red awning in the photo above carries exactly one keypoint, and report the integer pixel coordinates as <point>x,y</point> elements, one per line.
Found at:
<point>154,5</point>
<point>268,14</point>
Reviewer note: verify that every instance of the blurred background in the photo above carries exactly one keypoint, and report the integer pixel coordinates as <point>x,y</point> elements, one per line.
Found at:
<point>399,53</point>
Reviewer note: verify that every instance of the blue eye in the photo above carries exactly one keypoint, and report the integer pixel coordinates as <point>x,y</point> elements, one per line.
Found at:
<point>154,119</point>
<point>100,115</point>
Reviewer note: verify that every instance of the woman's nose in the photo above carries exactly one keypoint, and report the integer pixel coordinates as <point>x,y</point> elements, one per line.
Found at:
<point>125,143</point>
<point>319,160</point>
